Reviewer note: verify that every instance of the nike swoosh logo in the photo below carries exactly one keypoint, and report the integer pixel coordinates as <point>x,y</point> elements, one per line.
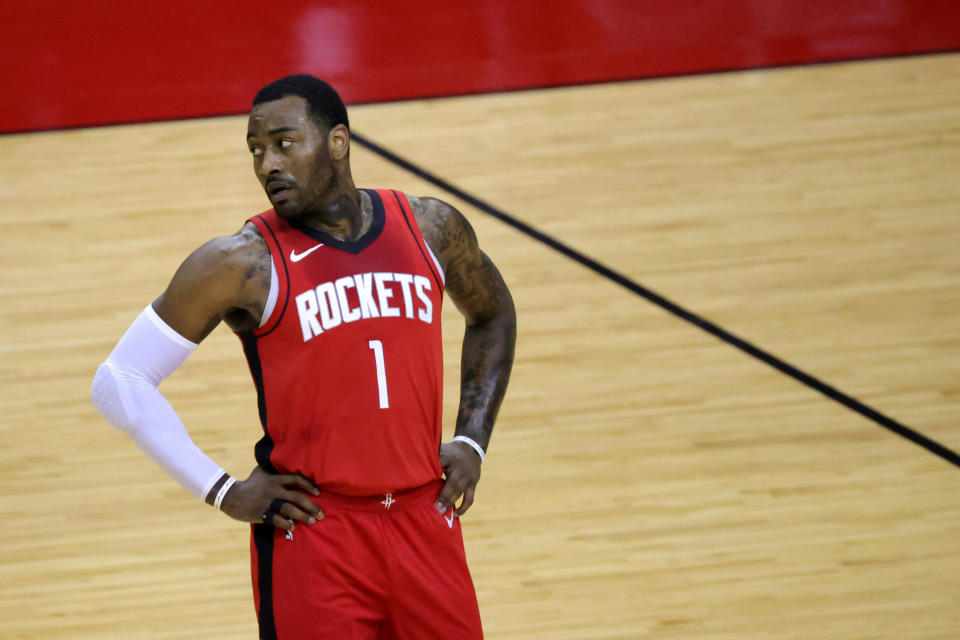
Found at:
<point>450,519</point>
<point>297,257</point>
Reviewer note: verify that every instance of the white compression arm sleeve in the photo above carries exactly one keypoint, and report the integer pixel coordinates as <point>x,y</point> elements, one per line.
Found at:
<point>125,392</point>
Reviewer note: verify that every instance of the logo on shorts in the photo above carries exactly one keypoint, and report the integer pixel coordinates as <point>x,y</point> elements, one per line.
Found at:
<point>388,501</point>
<point>450,519</point>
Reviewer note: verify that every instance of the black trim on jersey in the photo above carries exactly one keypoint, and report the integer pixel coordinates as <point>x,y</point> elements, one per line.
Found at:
<point>429,262</point>
<point>264,446</point>
<point>350,247</point>
<point>263,536</point>
<point>286,273</point>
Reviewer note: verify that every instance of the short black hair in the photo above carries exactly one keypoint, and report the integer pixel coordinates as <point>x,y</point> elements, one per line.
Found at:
<point>325,105</point>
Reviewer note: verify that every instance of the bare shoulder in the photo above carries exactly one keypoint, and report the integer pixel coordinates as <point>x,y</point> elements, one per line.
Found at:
<point>226,276</point>
<point>472,280</point>
<point>445,229</point>
<point>234,258</point>
<point>241,251</point>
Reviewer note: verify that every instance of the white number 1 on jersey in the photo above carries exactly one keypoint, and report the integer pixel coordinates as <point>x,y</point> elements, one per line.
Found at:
<point>377,347</point>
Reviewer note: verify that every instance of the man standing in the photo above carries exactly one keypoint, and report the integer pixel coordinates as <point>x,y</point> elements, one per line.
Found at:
<point>335,294</point>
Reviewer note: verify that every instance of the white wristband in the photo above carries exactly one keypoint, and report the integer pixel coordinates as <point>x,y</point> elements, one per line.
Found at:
<point>472,443</point>
<point>223,492</point>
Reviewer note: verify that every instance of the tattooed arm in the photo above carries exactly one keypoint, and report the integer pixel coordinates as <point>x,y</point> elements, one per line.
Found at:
<point>478,291</point>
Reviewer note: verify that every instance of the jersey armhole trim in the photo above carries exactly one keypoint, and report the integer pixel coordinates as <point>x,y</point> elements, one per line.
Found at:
<point>272,296</point>
<point>432,263</point>
<point>282,279</point>
<point>443,277</point>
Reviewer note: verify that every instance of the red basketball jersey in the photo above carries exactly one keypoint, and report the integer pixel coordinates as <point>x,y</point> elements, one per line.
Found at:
<point>349,366</point>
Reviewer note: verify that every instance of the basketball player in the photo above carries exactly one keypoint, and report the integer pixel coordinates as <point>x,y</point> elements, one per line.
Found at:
<point>335,294</point>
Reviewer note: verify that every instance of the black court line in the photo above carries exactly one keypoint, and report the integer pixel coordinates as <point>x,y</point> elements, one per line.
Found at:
<point>834,394</point>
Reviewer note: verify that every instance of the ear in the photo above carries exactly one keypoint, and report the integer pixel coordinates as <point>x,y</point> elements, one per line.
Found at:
<point>338,142</point>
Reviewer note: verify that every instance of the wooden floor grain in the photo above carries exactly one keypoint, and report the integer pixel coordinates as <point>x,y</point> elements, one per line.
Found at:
<point>645,479</point>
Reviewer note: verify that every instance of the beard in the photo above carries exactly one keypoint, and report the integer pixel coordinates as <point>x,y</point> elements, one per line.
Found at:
<point>303,199</point>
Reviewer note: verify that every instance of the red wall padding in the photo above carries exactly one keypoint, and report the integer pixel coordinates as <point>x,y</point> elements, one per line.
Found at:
<point>73,63</point>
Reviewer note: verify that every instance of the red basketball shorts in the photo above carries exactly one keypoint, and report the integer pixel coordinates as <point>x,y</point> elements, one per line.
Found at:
<point>386,567</point>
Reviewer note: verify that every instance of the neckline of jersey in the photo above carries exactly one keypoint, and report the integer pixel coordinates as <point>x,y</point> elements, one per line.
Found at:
<point>355,246</point>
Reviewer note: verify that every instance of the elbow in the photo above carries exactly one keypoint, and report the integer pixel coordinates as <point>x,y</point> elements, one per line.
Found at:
<point>502,320</point>
<point>506,316</point>
<point>111,399</point>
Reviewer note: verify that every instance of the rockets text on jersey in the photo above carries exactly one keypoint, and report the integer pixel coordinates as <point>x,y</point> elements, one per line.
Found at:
<point>329,304</point>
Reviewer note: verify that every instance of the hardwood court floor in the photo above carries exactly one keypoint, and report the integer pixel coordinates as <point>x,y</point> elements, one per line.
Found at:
<point>645,480</point>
